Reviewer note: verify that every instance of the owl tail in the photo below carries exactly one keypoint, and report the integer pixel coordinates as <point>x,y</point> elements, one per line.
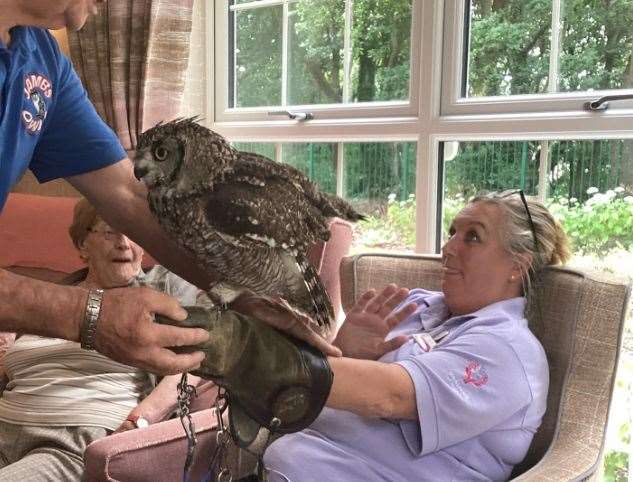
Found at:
<point>322,309</point>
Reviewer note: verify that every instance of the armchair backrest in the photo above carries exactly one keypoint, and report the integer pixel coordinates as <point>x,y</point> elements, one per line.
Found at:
<point>578,317</point>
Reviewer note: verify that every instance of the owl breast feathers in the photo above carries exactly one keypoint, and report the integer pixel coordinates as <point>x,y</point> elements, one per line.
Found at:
<point>246,218</point>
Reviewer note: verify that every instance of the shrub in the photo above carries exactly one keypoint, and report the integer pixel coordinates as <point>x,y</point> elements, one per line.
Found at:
<point>396,227</point>
<point>599,225</point>
<point>603,223</point>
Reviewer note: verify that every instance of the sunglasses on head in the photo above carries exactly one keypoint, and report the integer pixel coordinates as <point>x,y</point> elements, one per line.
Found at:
<point>527,211</point>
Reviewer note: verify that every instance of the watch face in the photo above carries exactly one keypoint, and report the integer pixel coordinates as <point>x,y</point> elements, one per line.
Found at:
<point>142,422</point>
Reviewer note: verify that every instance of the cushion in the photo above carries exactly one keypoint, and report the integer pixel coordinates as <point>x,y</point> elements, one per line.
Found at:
<point>34,233</point>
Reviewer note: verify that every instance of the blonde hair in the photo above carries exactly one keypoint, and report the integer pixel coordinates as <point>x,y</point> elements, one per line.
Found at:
<point>84,218</point>
<point>548,245</point>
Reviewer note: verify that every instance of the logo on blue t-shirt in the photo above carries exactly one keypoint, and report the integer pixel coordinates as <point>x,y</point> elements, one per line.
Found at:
<point>38,89</point>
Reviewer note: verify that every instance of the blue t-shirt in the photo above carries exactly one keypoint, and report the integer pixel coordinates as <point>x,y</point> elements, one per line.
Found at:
<point>47,122</point>
<point>481,393</point>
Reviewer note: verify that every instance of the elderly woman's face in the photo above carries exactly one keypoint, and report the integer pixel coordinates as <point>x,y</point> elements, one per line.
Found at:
<point>477,269</point>
<point>113,259</point>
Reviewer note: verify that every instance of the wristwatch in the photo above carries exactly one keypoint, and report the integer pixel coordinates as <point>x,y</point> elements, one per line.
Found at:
<point>138,420</point>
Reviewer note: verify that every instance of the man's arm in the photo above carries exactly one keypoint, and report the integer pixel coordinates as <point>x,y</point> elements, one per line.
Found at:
<point>40,308</point>
<point>126,331</point>
<point>122,201</point>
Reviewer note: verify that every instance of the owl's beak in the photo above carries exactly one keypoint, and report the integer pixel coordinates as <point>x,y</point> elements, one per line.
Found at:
<point>142,162</point>
<point>140,172</point>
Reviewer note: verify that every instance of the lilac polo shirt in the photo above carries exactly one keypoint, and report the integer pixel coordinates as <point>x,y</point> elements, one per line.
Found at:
<point>480,392</point>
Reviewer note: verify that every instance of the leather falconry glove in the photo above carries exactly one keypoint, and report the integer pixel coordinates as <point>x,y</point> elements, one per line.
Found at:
<point>273,381</point>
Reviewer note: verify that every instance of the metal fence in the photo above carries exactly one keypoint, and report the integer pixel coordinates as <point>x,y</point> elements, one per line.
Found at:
<point>373,171</point>
<point>570,167</point>
<point>370,171</point>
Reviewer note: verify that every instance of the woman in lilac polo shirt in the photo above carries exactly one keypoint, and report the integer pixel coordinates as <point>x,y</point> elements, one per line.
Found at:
<point>458,388</point>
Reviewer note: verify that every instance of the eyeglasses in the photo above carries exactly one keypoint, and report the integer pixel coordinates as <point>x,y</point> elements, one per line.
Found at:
<point>527,211</point>
<point>108,234</point>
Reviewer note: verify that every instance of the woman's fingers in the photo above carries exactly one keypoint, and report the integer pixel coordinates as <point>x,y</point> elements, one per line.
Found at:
<point>363,301</point>
<point>377,303</point>
<point>394,300</point>
<point>397,317</point>
<point>393,344</point>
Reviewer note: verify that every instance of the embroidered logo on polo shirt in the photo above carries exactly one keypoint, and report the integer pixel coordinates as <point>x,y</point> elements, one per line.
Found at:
<point>37,90</point>
<point>475,374</point>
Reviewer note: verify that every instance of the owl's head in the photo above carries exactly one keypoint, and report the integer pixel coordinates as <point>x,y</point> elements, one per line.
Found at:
<point>181,155</point>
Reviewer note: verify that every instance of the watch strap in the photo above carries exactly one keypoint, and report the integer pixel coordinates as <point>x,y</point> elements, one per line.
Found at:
<point>88,329</point>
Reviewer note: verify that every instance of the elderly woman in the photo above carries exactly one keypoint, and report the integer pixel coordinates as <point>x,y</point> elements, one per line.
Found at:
<point>459,387</point>
<point>59,398</point>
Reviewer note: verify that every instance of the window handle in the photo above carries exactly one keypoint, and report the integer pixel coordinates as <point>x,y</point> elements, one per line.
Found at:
<point>603,102</point>
<point>300,116</point>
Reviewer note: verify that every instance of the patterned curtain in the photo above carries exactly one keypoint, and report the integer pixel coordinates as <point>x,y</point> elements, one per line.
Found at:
<point>132,58</point>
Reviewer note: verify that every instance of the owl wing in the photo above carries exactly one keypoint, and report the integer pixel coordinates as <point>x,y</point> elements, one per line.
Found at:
<point>251,164</point>
<point>254,209</point>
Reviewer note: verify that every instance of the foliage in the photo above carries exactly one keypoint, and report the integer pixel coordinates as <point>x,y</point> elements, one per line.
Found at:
<point>373,170</point>
<point>602,223</point>
<point>510,46</point>
<point>574,166</point>
<point>615,466</point>
<point>396,227</point>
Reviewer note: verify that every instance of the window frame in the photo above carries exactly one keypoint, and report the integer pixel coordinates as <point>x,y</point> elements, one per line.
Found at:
<point>428,121</point>
<point>321,112</point>
<point>454,103</point>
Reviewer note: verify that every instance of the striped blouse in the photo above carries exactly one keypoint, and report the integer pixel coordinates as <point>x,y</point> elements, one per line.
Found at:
<point>54,382</point>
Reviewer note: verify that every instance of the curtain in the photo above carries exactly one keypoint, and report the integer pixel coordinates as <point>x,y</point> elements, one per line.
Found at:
<point>132,58</point>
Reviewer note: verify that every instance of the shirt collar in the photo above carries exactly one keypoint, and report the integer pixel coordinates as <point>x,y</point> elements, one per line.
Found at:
<point>21,40</point>
<point>514,308</point>
<point>437,312</point>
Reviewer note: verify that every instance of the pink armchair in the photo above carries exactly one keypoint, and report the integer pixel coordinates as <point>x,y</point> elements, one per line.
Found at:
<point>34,242</point>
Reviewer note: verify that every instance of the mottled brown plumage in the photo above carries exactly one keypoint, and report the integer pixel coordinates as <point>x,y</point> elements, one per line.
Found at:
<point>248,219</point>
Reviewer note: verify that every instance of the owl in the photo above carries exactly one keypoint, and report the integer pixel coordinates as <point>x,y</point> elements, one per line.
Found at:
<point>249,220</point>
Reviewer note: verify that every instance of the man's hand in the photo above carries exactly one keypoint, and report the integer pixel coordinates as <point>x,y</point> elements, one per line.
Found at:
<point>370,320</point>
<point>126,331</point>
<point>279,314</point>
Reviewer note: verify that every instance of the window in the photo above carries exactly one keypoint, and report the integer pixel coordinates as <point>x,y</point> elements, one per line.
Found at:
<point>535,56</point>
<point>329,58</point>
<point>581,180</point>
<point>377,178</point>
<point>468,71</point>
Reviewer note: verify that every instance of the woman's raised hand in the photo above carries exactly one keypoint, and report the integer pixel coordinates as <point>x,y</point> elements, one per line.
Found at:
<point>362,335</point>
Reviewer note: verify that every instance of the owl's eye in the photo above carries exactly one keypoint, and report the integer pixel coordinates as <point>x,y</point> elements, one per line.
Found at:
<point>160,153</point>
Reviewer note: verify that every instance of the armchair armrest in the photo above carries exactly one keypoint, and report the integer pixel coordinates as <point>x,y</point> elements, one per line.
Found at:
<point>153,454</point>
<point>568,459</point>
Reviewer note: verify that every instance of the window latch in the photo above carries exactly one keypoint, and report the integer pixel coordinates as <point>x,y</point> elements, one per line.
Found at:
<point>300,116</point>
<point>603,102</point>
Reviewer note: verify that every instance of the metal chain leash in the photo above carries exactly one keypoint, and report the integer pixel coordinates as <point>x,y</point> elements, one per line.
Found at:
<point>185,394</point>
<point>219,461</point>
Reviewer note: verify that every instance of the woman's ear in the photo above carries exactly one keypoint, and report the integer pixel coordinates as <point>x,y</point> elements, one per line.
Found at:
<point>83,251</point>
<point>521,266</point>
